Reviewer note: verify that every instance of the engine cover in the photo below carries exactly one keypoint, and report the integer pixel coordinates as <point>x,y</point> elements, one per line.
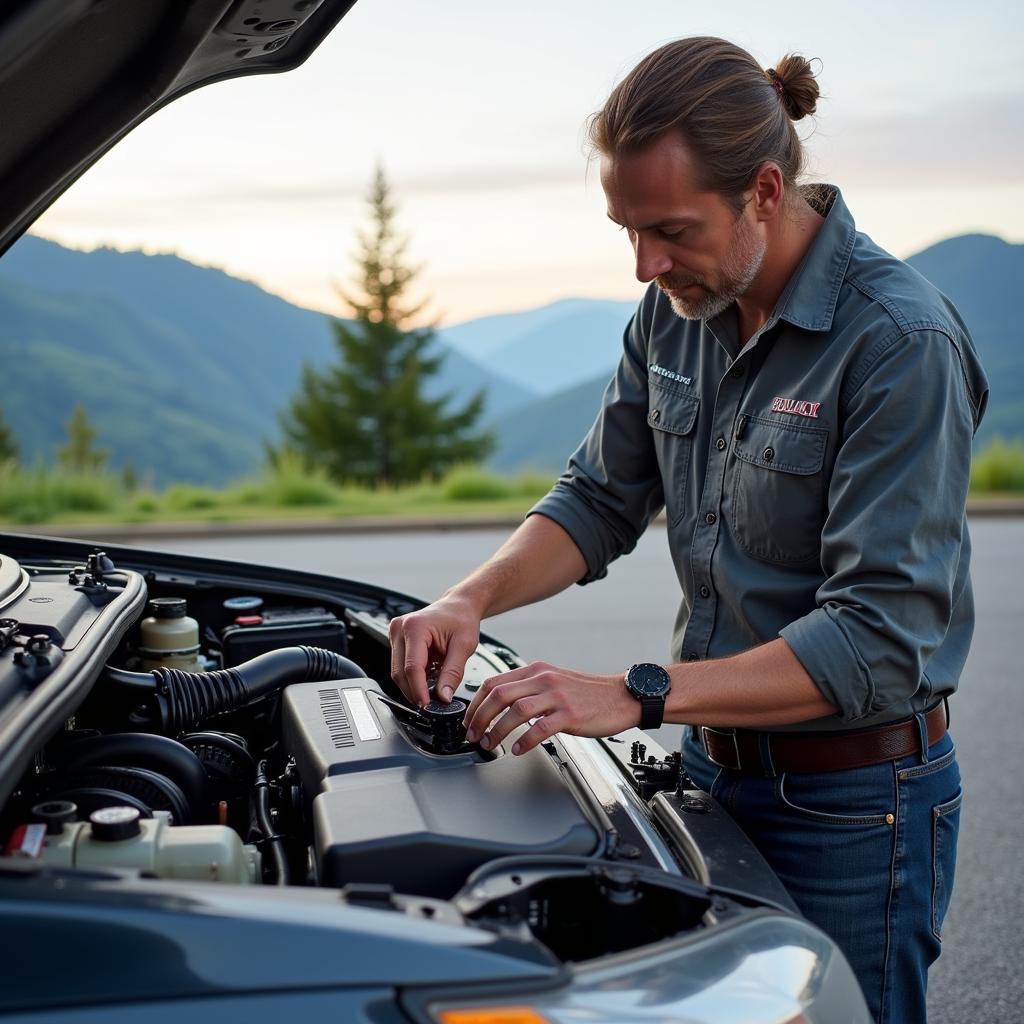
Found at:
<point>385,810</point>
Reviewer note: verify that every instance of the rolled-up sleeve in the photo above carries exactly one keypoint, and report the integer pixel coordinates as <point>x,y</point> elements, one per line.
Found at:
<point>894,530</point>
<point>611,488</point>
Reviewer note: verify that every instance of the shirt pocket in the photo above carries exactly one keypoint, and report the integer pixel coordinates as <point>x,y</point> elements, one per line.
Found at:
<point>672,415</point>
<point>778,500</point>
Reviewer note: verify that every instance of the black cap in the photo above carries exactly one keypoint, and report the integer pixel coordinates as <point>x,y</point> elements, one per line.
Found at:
<point>53,813</point>
<point>168,607</point>
<point>111,824</point>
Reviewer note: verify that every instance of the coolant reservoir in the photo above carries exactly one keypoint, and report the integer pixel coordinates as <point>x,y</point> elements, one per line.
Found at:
<point>117,837</point>
<point>170,638</point>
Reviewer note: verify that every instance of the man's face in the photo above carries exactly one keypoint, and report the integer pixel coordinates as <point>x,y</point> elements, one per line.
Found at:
<point>691,242</point>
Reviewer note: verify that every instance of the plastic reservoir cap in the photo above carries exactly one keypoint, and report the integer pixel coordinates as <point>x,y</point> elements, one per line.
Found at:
<point>243,605</point>
<point>112,824</point>
<point>248,620</point>
<point>168,607</point>
<point>53,813</point>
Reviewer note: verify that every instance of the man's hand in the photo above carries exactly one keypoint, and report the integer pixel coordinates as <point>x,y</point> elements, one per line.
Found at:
<point>445,633</point>
<point>560,699</point>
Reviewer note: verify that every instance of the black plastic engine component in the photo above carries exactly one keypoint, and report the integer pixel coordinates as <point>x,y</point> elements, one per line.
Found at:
<point>386,808</point>
<point>111,786</point>
<point>54,814</point>
<point>160,755</point>
<point>653,775</point>
<point>181,700</point>
<point>227,761</point>
<point>257,631</point>
<point>436,727</point>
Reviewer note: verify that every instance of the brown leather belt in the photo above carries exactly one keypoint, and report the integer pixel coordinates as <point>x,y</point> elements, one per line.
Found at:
<point>768,753</point>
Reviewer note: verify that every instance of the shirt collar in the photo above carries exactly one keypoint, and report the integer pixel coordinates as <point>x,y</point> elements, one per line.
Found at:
<point>809,299</point>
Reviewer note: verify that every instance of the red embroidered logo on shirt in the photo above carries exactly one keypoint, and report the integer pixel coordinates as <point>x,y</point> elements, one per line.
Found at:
<point>795,408</point>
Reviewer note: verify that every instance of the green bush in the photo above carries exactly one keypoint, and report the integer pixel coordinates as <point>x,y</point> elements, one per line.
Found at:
<point>40,494</point>
<point>84,492</point>
<point>188,498</point>
<point>999,468</point>
<point>534,485</point>
<point>145,504</point>
<point>470,483</point>
<point>23,497</point>
<point>292,483</point>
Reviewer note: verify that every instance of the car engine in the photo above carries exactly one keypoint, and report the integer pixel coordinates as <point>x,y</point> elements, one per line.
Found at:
<point>271,757</point>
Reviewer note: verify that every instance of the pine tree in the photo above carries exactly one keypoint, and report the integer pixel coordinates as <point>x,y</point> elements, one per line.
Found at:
<point>367,418</point>
<point>80,454</point>
<point>9,451</point>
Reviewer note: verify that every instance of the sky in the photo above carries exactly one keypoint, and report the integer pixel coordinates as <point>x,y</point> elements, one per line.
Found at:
<point>476,111</point>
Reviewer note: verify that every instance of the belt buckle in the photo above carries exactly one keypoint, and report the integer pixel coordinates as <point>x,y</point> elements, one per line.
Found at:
<point>705,730</point>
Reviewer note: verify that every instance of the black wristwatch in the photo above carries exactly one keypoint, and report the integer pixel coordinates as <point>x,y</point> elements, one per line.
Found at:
<point>650,684</point>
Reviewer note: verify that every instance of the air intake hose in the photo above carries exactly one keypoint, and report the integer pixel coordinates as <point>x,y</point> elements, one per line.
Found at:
<point>182,700</point>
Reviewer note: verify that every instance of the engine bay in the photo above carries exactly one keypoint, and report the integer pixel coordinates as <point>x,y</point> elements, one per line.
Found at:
<point>231,737</point>
<point>212,722</point>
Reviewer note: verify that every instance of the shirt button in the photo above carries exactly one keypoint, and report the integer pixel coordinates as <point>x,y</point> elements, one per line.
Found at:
<point>692,657</point>
<point>720,444</point>
<point>705,592</point>
<point>711,519</point>
<point>655,416</point>
<point>769,454</point>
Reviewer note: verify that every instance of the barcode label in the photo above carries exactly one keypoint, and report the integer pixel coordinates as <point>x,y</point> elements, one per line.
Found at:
<point>359,709</point>
<point>336,719</point>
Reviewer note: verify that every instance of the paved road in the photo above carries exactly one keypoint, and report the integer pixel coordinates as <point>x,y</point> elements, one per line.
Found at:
<point>627,617</point>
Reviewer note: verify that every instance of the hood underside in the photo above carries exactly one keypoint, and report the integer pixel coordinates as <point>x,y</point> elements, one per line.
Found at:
<point>77,75</point>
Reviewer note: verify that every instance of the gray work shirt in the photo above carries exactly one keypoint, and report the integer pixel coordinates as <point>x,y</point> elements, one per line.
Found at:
<point>814,485</point>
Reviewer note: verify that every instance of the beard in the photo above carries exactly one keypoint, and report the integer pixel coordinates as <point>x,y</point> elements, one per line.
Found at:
<point>740,266</point>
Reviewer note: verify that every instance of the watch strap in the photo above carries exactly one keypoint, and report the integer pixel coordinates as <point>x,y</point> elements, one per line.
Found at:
<point>652,712</point>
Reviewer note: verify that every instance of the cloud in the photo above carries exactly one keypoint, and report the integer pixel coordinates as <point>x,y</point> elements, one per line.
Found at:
<point>970,141</point>
<point>967,142</point>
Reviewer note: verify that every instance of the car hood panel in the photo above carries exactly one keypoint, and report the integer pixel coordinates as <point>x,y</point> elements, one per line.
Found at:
<point>77,75</point>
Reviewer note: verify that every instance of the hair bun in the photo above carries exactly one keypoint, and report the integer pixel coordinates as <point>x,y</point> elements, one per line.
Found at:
<point>799,88</point>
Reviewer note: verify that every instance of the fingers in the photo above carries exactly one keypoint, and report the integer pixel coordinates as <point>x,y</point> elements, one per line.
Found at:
<point>418,643</point>
<point>474,717</point>
<point>489,684</point>
<point>520,701</point>
<point>410,651</point>
<point>459,650</point>
<point>543,729</point>
<point>417,652</point>
<point>397,653</point>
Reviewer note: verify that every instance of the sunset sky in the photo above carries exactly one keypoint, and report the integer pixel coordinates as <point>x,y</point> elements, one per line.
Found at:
<point>476,112</point>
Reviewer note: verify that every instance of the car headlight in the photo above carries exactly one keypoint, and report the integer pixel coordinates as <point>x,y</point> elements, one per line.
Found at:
<point>769,969</point>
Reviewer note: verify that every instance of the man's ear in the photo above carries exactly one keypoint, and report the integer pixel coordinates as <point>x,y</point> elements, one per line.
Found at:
<point>767,191</point>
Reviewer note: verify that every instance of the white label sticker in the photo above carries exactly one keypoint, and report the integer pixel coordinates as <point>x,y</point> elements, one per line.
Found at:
<point>361,715</point>
<point>32,841</point>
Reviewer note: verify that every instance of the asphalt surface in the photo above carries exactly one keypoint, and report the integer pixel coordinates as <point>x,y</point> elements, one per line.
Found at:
<point>628,616</point>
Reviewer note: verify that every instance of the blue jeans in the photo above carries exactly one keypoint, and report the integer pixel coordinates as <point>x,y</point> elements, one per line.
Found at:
<point>867,854</point>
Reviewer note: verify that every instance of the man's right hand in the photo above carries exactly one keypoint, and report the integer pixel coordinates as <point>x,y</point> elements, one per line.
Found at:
<point>445,633</point>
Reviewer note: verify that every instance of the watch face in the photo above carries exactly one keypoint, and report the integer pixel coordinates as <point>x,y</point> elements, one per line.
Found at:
<point>648,680</point>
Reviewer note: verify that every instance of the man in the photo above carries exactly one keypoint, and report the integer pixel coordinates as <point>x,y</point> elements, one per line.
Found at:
<point>802,404</point>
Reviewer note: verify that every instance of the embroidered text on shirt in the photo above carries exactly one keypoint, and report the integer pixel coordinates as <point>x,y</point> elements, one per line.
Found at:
<point>661,371</point>
<point>795,408</point>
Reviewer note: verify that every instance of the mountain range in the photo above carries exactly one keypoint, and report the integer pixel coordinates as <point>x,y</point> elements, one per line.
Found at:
<point>183,368</point>
<point>980,273</point>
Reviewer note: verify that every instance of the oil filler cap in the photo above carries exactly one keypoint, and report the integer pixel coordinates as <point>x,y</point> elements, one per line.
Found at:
<point>112,824</point>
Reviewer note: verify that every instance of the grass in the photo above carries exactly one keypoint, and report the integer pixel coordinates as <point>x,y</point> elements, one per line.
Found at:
<point>41,495</point>
<point>290,491</point>
<point>999,469</point>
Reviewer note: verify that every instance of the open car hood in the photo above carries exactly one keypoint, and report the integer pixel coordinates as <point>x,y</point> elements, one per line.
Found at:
<point>78,75</point>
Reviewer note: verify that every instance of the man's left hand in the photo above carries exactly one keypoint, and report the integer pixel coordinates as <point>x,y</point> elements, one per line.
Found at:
<point>560,699</point>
